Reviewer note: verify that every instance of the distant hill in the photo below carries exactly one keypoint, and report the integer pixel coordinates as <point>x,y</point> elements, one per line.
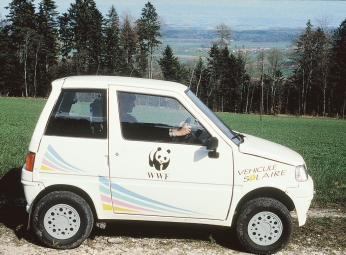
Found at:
<point>268,35</point>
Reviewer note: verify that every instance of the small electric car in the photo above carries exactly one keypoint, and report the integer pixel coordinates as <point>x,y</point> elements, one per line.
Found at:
<point>117,148</point>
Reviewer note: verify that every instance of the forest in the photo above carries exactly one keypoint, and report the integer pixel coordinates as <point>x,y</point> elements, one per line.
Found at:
<point>38,45</point>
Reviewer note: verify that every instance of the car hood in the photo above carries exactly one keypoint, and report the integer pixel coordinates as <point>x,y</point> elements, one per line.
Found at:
<point>266,149</point>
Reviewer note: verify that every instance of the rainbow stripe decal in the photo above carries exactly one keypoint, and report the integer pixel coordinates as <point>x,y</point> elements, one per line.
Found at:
<point>122,200</point>
<point>53,162</point>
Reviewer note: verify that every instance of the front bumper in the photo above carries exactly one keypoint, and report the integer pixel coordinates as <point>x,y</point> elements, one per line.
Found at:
<point>302,197</point>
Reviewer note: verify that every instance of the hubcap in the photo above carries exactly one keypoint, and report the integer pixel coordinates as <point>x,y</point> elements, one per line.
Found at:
<point>61,221</point>
<point>265,228</point>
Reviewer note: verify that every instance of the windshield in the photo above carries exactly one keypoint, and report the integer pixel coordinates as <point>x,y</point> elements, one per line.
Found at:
<point>235,137</point>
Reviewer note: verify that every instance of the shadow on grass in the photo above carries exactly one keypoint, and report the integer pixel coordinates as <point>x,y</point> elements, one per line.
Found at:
<point>14,216</point>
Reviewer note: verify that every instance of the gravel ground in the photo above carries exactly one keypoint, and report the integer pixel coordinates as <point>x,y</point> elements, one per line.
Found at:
<point>324,233</point>
<point>146,238</point>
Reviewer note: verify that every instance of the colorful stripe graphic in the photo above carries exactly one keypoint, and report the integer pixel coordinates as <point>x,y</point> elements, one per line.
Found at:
<point>52,161</point>
<point>119,199</point>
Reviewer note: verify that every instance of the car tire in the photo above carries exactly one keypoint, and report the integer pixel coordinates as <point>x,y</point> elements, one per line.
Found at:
<point>62,220</point>
<point>264,226</point>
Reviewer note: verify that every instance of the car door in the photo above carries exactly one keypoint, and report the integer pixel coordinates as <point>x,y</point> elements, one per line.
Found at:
<point>153,174</point>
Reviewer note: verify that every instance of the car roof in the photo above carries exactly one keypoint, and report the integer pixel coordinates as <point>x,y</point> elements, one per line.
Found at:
<point>99,81</point>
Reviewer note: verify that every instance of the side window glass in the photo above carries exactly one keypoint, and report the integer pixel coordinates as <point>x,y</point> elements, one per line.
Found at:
<point>160,119</point>
<point>79,114</point>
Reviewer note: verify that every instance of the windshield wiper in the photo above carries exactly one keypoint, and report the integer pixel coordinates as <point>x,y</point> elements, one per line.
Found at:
<point>239,136</point>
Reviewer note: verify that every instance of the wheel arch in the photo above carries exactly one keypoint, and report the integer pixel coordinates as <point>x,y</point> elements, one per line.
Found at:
<point>76,190</point>
<point>269,192</point>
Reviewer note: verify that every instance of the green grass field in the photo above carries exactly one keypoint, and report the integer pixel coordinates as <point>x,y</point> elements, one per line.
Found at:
<point>321,142</point>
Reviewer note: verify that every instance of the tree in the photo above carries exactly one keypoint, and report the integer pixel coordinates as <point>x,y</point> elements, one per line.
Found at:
<point>261,59</point>
<point>148,30</point>
<point>312,60</point>
<point>9,82</point>
<point>275,60</point>
<point>305,65</point>
<point>226,79</point>
<point>128,40</point>
<point>338,68</point>
<point>171,69</point>
<point>47,47</point>
<point>114,57</point>
<point>197,78</point>
<point>82,33</point>
<point>223,34</point>
<point>323,60</point>
<point>22,30</point>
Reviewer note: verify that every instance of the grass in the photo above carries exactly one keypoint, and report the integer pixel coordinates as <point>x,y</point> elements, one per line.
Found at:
<point>17,122</point>
<point>320,141</point>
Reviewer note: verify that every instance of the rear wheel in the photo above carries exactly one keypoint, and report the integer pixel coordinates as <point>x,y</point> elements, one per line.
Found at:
<point>264,226</point>
<point>62,220</point>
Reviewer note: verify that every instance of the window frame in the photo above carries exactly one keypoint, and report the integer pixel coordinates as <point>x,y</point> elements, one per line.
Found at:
<point>158,125</point>
<point>69,130</point>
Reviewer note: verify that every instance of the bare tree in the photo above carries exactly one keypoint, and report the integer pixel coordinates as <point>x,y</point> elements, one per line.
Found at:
<point>223,34</point>
<point>275,65</point>
<point>261,59</point>
<point>28,36</point>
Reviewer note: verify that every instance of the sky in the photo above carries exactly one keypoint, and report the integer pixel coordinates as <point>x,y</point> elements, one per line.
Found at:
<point>238,14</point>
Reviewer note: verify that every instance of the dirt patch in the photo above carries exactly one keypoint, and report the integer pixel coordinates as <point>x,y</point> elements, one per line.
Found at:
<point>318,236</point>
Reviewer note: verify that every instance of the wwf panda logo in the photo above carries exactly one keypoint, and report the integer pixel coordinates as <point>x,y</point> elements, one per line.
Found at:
<point>159,158</point>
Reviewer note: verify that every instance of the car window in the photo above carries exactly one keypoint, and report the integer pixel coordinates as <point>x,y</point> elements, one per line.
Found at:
<point>79,114</point>
<point>151,118</point>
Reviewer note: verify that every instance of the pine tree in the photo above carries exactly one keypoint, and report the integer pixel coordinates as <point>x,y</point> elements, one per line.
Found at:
<point>338,69</point>
<point>81,31</point>
<point>305,65</point>
<point>9,79</point>
<point>226,75</point>
<point>148,29</point>
<point>66,36</point>
<point>129,40</point>
<point>114,56</point>
<point>47,47</point>
<point>171,69</point>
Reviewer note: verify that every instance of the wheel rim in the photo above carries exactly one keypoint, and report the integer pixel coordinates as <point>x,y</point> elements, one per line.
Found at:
<point>61,221</point>
<point>265,228</point>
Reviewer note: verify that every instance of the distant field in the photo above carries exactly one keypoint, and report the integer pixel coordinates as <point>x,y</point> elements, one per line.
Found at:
<point>189,50</point>
<point>186,49</point>
<point>320,141</point>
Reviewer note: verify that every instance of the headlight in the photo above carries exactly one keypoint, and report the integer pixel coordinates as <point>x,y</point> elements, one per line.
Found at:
<point>301,174</point>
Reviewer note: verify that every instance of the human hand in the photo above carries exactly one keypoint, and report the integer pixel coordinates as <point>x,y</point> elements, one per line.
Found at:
<point>183,130</point>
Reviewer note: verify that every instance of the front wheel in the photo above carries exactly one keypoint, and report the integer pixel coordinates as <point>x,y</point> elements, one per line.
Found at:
<point>264,226</point>
<point>62,220</point>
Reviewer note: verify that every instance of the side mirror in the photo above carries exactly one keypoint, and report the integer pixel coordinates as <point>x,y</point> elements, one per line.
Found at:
<point>211,144</point>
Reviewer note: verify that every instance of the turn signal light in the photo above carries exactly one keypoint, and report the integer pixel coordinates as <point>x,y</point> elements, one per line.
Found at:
<point>29,162</point>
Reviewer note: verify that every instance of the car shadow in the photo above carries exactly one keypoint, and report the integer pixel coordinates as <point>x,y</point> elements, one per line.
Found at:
<point>223,236</point>
<point>12,205</point>
<point>14,216</point>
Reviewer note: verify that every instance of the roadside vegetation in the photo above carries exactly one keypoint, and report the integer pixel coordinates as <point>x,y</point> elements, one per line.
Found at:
<point>319,140</point>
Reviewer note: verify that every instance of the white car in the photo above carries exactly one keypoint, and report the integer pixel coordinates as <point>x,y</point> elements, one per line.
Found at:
<point>117,148</point>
